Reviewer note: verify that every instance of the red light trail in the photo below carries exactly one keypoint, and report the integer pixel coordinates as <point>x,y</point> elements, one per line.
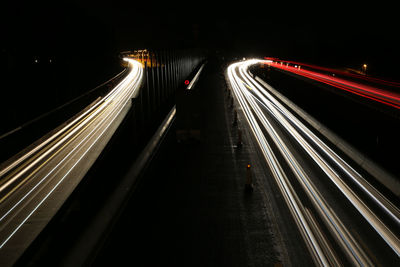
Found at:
<point>383,96</point>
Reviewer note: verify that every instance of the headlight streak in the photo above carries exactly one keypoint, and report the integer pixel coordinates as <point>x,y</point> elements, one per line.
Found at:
<point>57,134</point>
<point>250,102</point>
<point>357,178</point>
<point>295,207</point>
<point>284,117</point>
<point>104,112</point>
<point>334,224</point>
<point>71,130</point>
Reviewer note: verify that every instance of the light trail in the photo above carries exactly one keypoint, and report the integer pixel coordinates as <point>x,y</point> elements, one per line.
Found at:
<point>386,97</point>
<point>195,78</point>
<point>296,208</point>
<point>254,100</point>
<point>32,179</point>
<point>338,72</point>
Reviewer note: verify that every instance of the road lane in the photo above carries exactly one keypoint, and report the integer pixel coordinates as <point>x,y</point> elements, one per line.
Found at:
<point>264,115</point>
<point>34,186</point>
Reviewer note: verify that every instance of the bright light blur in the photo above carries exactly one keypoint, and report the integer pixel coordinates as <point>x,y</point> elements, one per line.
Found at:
<point>256,101</point>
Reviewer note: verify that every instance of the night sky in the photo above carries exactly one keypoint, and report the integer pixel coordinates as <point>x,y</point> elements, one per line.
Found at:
<point>330,33</point>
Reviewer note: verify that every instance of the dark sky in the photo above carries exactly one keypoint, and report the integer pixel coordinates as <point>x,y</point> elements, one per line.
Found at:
<point>329,32</point>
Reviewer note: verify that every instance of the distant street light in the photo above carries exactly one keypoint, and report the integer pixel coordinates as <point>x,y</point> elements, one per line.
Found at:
<point>364,68</point>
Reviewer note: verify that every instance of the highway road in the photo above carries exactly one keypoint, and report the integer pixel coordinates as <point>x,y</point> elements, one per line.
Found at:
<point>343,219</point>
<point>35,183</point>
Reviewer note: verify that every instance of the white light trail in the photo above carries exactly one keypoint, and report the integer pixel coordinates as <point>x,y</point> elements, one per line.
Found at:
<point>75,141</point>
<point>191,84</point>
<point>291,198</point>
<point>253,99</point>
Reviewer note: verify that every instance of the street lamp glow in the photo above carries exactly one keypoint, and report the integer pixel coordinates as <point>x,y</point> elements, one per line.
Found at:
<point>364,68</point>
